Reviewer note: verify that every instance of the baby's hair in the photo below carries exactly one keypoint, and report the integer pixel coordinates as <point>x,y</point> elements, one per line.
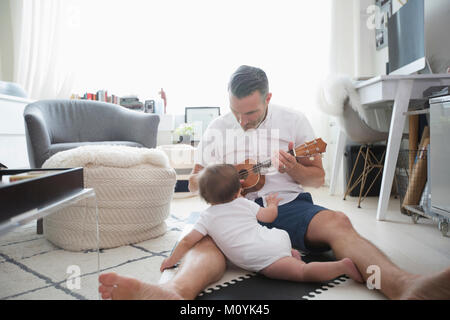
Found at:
<point>219,183</point>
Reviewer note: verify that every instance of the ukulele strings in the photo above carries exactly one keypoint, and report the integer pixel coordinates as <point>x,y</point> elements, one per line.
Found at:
<point>257,167</point>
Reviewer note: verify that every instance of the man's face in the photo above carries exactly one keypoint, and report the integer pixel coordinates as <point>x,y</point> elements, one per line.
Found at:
<point>251,110</point>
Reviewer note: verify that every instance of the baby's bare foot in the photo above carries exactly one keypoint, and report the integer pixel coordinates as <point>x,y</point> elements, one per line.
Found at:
<point>351,270</point>
<point>115,287</point>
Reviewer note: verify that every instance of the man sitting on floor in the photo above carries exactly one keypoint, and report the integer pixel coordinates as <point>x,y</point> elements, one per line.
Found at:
<point>312,228</point>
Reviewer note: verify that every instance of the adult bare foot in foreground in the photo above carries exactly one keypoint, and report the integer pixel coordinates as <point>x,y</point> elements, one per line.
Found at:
<point>202,265</point>
<point>433,287</point>
<point>113,286</point>
<point>117,287</point>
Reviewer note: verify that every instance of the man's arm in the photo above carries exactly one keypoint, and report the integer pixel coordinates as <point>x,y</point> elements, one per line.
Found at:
<point>193,182</point>
<point>304,171</point>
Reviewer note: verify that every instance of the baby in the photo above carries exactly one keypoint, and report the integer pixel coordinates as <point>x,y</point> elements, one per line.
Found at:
<point>232,222</point>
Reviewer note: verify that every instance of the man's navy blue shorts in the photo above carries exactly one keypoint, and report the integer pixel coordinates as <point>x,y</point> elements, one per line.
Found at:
<point>294,217</point>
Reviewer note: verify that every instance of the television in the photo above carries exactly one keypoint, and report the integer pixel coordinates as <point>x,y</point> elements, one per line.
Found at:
<point>406,40</point>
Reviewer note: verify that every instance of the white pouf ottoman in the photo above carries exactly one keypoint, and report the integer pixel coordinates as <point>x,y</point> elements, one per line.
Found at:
<point>133,186</point>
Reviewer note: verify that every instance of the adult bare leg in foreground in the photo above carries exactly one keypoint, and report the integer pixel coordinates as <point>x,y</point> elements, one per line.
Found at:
<point>335,229</point>
<point>205,264</point>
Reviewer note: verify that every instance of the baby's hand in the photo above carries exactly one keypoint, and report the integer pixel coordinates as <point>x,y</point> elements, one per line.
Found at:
<point>272,199</point>
<point>166,264</point>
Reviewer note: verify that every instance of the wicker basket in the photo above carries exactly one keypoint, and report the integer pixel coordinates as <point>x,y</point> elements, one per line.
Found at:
<point>411,177</point>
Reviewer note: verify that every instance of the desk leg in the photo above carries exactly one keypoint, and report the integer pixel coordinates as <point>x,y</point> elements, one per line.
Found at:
<point>338,156</point>
<point>395,137</point>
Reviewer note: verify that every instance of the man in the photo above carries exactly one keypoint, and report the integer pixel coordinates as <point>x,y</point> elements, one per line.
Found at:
<point>311,228</point>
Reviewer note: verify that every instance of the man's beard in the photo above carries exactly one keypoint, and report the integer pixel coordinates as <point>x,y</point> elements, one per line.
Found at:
<point>257,123</point>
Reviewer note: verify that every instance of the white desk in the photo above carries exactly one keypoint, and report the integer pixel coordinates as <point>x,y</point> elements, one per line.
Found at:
<point>384,90</point>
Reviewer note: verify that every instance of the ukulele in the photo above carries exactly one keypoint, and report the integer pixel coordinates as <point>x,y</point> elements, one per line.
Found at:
<point>250,172</point>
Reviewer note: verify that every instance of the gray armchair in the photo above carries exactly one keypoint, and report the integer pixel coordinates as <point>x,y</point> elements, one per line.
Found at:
<point>56,125</point>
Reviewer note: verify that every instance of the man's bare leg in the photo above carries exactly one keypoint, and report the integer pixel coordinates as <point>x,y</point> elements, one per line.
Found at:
<point>335,229</point>
<point>202,265</point>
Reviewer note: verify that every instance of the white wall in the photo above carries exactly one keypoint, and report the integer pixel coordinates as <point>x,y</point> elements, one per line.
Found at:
<point>365,39</point>
<point>6,42</point>
<point>353,42</point>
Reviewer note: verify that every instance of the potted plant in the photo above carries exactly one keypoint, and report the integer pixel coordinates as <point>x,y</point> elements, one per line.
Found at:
<point>185,131</point>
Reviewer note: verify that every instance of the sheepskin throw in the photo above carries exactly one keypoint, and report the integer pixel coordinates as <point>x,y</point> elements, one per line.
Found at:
<point>334,92</point>
<point>133,186</point>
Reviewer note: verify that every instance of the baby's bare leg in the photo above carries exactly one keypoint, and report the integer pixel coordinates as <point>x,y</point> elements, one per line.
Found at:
<point>292,269</point>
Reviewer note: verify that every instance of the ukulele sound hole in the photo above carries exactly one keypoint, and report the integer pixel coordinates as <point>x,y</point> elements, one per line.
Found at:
<point>243,174</point>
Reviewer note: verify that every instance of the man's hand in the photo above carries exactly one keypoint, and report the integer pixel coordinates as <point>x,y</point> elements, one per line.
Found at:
<point>308,172</point>
<point>285,162</point>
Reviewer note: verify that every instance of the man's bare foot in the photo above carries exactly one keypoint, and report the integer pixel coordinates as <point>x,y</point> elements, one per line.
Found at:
<point>434,287</point>
<point>115,287</point>
<point>296,254</point>
<point>351,270</point>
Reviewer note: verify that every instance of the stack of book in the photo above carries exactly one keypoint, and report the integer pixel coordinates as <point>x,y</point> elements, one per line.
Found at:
<point>101,95</point>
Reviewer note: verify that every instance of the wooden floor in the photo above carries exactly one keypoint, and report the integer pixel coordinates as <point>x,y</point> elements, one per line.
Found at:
<point>417,248</point>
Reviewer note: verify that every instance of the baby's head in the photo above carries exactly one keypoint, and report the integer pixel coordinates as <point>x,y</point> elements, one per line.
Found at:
<point>219,183</point>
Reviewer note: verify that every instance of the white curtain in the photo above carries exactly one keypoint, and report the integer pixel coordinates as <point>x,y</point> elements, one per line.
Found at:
<point>40,36</point>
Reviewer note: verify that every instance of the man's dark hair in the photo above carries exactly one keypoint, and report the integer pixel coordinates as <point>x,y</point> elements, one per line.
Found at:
<point>219,183</point>
<point>246,80</point>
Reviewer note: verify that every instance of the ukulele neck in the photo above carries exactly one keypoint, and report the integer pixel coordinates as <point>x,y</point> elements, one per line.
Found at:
<point>265,164</point>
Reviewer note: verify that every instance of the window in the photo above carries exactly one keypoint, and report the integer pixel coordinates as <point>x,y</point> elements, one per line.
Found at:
<point>190,48</point>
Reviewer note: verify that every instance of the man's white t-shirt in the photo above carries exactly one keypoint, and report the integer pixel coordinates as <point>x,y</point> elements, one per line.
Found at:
<point>235,230</point>
<point>226,142</point>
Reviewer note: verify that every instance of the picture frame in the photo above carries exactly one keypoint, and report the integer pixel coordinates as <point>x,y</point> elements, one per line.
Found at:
<point>201,117</point>
<point>384,12</point>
